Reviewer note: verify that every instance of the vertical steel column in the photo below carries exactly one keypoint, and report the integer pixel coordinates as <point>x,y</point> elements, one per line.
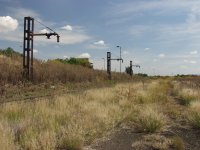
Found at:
<point>28,47</point>
<point>131,68</point>
<point>109,65</point>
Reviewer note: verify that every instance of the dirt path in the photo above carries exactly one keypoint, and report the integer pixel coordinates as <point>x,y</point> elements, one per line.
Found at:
<point>124,138</point>
<point>120,140</point>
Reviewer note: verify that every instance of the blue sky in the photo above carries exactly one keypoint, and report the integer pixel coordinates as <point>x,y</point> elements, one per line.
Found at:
<point>162,36</point>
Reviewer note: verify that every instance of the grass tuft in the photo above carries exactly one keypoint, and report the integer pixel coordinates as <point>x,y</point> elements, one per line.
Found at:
<point>194,114</point>
<point>150,120</point>
<point>178,143</point>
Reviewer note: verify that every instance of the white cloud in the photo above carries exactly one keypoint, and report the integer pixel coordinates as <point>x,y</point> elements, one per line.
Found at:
<point>193,62</point>
<point>8,23</point>
<point>125,52</point>
<point>35,51</point>
<point>44,31</point>
<point>161,55</point>
<point>101,43</point>
<point>65,57</point>
<point>73,38</point>
<point>98,45</point>
<point>183,67</point>
<point>19,13</point>
<point>147,49</point>
<point>194,52</point>
<point>168,6</point>
<point>66,38</point>
<point>67,27</point>
<point>190,61</point>
<point>84,55</point>
<point>155,60</point>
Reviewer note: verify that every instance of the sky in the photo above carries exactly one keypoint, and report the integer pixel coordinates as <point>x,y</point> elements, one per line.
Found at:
<point>162,36</point>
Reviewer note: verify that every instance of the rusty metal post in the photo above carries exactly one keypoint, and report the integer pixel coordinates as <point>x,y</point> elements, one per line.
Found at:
<point>28,45</point>
<point>109,65</point>
<point>28,48</point>
<point>131,68</point>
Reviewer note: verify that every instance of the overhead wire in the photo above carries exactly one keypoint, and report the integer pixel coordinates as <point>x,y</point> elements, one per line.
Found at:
<point>44,25</point>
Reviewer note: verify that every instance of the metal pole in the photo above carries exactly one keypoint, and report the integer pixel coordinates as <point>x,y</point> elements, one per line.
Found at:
<point>109,65</point>
<point>28,47</point>
<point>103,63</point>
<point>120,48</point>
<point>120,58</point>
<point>131,68</point>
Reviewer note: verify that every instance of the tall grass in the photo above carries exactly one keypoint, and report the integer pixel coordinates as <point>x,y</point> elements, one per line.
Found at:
<point>72,120</point>
<point>189,95</point>
<point>186,94</point>
<point>51,71</point>
<point>194,114</point>
<point>150,119</point>
<point>66,122</point>
<point>157,92</point>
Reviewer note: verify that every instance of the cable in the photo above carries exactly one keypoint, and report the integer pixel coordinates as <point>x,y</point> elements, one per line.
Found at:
<point>44,25</point>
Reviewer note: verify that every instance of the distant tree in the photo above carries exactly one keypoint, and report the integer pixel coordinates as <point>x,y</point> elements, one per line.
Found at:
<point>142,74</point>
<point>9,52</point>
<point>76,61</point>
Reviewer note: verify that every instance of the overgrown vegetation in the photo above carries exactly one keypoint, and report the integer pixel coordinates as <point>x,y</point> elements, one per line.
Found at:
<point>150,119</point>
<point>71,121</point>
<point>187,91</point>
<point>76,61</point>
<point>52,71</point>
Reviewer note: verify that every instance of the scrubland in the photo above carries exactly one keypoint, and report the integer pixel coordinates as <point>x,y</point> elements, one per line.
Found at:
<point>72,121</point>
<point>165,111</point>
<point>50,71</point>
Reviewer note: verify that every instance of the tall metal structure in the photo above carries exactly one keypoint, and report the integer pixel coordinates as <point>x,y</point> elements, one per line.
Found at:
<point>109,64</point>
<point>131,68</point>
<point>120,55</point>
<point>28,45</point>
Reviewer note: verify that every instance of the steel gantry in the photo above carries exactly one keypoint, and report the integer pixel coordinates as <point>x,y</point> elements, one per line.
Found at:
<point>131,68</point>
<point>28,45</point>
<point>109,59</point>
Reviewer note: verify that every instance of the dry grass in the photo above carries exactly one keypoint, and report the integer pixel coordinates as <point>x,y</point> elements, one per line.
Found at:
<point>159,142</point>
<point>157,92</point>
<point>178,143</point>
<point>194,114</point>
<point>68,122</point>
<point>153,142</point>
<point>73,120</point>
<point>51,72</point>
<point>186,94</point>
<point>150,119</point>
